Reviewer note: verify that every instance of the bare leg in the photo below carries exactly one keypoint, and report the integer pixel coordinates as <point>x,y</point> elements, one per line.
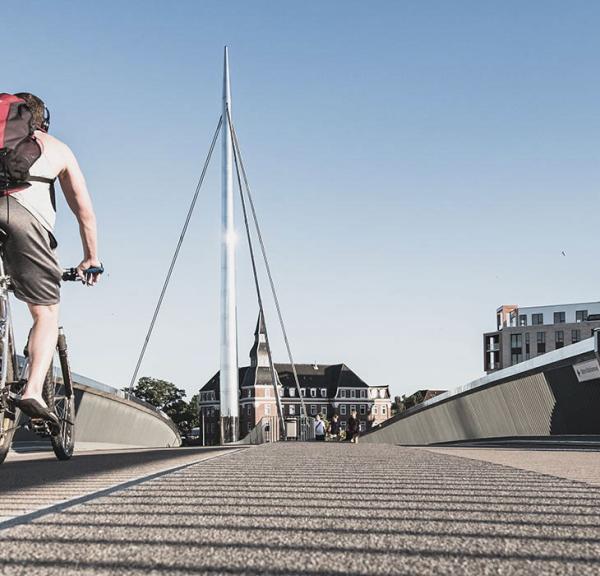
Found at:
<point>42,343</point>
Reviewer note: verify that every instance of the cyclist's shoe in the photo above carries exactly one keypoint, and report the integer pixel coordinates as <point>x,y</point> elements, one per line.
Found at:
<point>35,410</point>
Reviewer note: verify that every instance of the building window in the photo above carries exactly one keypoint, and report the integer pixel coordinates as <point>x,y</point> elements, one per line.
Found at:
<point>352,393</point>
<point>383,410</point>
<point>541,342</point>
<point>313,409</point>
<point>303,392</point>
<point>575,336</point>
<point>292,392</point>
<point>375,410</point>
<point>292,410</point>
<point>343,424</point>
<point>323,392</point>
<point>249,410</point>
<point>267,409</point>
<point>353,408</point>
<point>516,348</point>
<point>581,316</point>
<point>324,410</point>
<point>523,320</point>
<point>559,339</point>
<point>527,346</point>
<point>363,409</point>
<point>559,317</point>
<point>342,393</point>
<point>280,390</point>
<point>363,393</point>
<point>267,393</point>
<point>313,392</point>
<point>537,319</point>
<point>342,409</point>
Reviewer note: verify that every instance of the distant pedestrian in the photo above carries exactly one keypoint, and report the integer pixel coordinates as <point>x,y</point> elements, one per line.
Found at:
<point>353,427</point>
<point>334,428</point>
<point>319,429</point>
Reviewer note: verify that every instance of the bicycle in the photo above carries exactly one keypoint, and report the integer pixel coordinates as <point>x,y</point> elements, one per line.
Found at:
<point>58,392</point>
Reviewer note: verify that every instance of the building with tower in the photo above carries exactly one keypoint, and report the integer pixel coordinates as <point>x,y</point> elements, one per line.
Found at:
<point>325,389</point>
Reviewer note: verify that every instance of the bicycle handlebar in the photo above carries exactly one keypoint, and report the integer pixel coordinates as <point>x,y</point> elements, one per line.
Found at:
<point>70,274</point>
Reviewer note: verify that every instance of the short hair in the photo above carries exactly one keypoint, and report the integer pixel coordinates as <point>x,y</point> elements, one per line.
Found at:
<point>37,107</point>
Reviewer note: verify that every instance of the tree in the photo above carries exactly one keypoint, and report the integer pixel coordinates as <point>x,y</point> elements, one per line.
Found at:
<point>159,393</point>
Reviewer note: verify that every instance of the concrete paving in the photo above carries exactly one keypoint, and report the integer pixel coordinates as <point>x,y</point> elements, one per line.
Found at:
<point>322,508</point>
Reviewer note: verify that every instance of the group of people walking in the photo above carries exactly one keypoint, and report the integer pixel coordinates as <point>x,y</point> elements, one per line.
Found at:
<point>332,430</point>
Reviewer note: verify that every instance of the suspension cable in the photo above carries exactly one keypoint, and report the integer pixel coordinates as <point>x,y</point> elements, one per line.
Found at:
<point>256,282</point>
<point>268,269</point>
<point>175,256</point>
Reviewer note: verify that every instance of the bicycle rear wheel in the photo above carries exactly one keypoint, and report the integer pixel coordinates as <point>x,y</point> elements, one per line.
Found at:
<point>9,418</point>
<point>60,397</point>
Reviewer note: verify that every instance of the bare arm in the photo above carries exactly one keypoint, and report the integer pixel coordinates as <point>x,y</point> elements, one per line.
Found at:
<point>78,198</point>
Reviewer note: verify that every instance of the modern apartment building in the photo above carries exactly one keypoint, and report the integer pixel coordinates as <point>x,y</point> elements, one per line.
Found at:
<point>326,389</point>
<point>523,333</point>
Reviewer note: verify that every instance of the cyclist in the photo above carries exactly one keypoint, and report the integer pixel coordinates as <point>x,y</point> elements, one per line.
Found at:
<point>28,217</point>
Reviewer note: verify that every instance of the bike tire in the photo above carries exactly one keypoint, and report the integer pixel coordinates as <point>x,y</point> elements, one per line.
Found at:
<point>59,396</point>
<point>9,422</point>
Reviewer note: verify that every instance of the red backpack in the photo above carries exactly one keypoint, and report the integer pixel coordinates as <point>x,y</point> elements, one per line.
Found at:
<point>18,147</point>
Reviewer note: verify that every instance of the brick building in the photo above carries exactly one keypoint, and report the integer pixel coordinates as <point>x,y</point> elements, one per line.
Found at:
<point>326,389</point>
<point>523,333</point>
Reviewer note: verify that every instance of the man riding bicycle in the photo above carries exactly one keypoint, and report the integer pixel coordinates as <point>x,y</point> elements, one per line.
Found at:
<point>27,216</point>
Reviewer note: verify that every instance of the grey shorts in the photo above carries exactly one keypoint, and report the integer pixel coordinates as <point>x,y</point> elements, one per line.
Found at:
<point>29,255</point>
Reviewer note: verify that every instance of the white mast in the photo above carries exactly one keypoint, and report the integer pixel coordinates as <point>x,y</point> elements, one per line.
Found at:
<point>229,361</point>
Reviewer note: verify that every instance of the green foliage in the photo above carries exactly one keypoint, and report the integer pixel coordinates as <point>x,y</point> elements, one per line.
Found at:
<point>170,399</point>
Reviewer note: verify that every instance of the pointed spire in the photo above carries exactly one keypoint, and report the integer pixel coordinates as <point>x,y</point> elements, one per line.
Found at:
<point>259,355</point>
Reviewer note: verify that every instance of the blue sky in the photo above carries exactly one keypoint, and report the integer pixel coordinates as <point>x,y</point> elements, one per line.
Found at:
<point>414,164</point>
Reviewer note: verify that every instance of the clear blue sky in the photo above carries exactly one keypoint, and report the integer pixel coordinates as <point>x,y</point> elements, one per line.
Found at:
<point>415,165</point>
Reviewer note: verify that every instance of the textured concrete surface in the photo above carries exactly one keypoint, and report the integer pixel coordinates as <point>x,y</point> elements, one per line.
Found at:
<point>322,509</point>
<point>31,481</point>
<point>580,465</point>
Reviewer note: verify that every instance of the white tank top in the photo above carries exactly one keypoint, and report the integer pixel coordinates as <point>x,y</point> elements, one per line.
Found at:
<point>37,199</point>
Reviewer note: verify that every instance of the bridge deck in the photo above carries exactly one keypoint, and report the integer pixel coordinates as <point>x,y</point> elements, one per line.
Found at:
<point>323,508</point>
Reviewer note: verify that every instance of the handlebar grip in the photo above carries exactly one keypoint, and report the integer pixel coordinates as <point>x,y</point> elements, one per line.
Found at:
<point>70,274</point>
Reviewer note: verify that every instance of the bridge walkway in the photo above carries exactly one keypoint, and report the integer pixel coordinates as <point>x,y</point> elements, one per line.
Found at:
<point>323,508</point>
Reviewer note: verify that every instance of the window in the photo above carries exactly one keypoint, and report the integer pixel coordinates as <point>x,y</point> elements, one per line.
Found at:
<point>575,336</point>
<point>581,316</point>
<point>516,348</point>
<point>342,409</point>
<point>375,410</point>
<point>292,411</point>
<point>324,410</point>
<point>541,342</point>
<point>352,393</point>
<point>383,410</point>
<point>292,392</point>
<point>559,317</point>
<point>382,393</point>
<point>249,410</point>
<point>363,409</point>
<point>313,392</point>
<point>280,390</point>
<point>313,409</point>
<point>537,319</point>
<point>267,409</point>
<point>559,339</point>
<point>303,392</point>
<point>523,320</point>
<point>527,346</point>
<point>353,407</point>
<point>363,393</point>
<point>267,392</point>
<point>323,392</point>
<point>343,425</point>
<point>342,393</point>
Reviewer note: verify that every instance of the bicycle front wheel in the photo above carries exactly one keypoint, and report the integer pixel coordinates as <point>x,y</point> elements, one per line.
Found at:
<point>60,397</point>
